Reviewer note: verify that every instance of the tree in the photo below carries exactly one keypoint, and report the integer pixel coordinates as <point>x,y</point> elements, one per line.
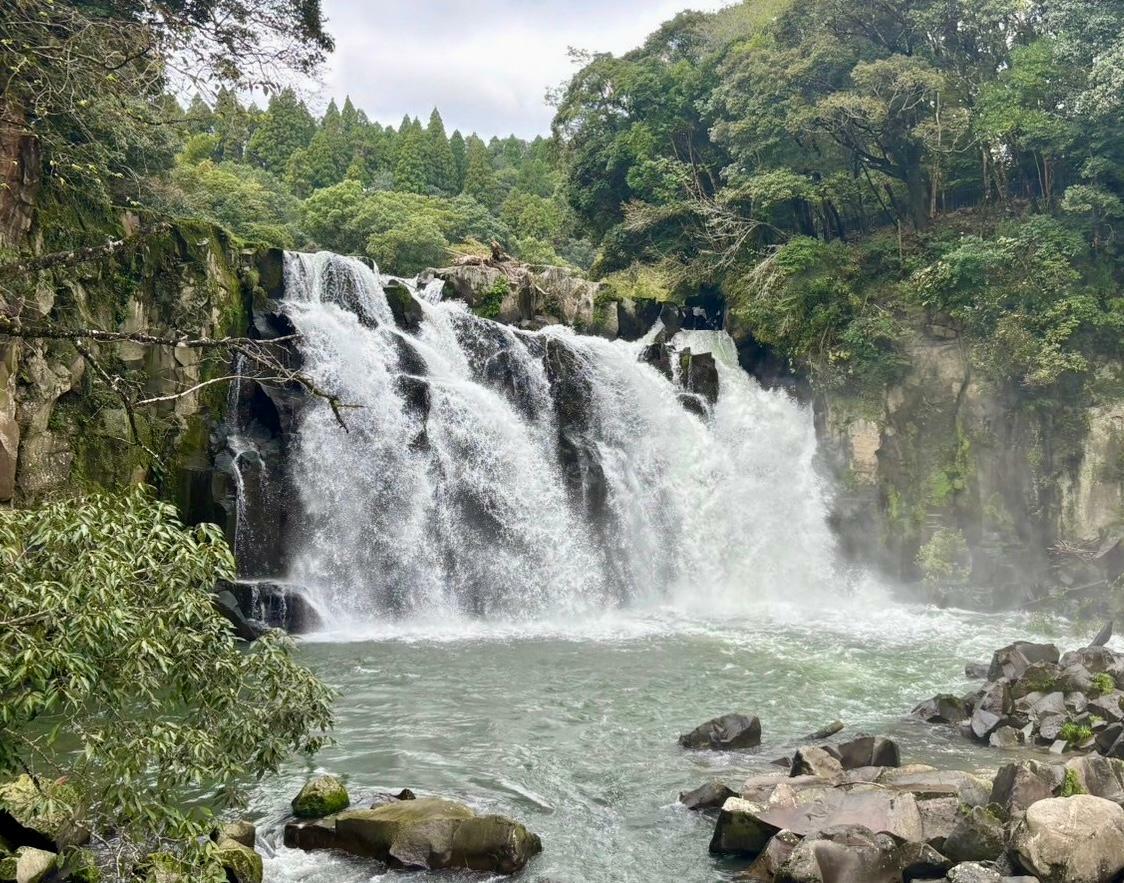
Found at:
<point>410,171</point>
<point>285,127</point>
<point>117,672</point>
<point>479,174</point>
<point>85,82</point>
<point>457,148</point>
<point>441,167</point>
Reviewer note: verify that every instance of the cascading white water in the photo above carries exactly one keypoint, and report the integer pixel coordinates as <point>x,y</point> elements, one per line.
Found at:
<point>448,494</point>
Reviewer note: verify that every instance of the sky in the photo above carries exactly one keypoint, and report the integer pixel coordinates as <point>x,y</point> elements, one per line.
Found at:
<point>487,64</point>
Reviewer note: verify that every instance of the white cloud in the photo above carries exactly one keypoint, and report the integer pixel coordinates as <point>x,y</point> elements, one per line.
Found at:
<point>487,64</point>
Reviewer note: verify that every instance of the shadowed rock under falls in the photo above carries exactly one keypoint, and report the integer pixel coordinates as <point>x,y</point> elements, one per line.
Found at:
<point>495,472</point>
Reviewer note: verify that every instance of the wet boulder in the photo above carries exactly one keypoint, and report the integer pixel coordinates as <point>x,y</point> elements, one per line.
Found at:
<point>973,872</point>
<point>699,374</point>
<point>266,604</point>
<point>1076,839</point>
<point>407,311</point>
<point>740,829</point>
<point>1011,661</point>
<point>991,710</point>
<point>726,733</point>
<point>320,797</point>
<point>775,854</point>
<point>944,708</point>
<point>711,795</point>
<point>976,671</point>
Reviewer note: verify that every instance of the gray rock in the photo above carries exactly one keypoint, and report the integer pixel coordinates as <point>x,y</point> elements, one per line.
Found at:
<point>34,865</point>
<point>843,854</point>
<point>977,836</point>
<point>944,708</point>
<point>1108,737</point>
<point>775,854</point>
<point>825,732</point>
<point>1099,776</point>
<point>1108,707</point>
<point>1076,839</point>
<point>725,733</point>
<point>811,808</point>
<point>976,671</point>
<point>740,830</point>
<point>1103,636</point>
<point>1075,678</point>
<point>973,872</point>
<point>1018,785</point>
<point>938,819</point>
<point>1005,737</point>
<point>1050,726</point>
<point>1014,659</point>
<point>241,831</point>
<point>709,796</point>
<point>812,761</point>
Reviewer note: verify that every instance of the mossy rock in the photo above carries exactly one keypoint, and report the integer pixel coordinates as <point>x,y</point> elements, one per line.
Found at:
<point>7,867</point>
<point>20,799</point>
<point>241,863</point>
<point>240,831</point>
<point>35,865</point>
<point>162,867</point>
<point>321,797</point>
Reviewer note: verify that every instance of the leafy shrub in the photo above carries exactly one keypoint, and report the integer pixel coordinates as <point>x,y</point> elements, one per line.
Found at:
<point>117,672</point>
<point>1074,733</point>
<point>945,559</point>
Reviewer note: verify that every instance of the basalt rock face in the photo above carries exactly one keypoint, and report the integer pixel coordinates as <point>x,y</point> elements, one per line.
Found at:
<point>945,449</point>
<point>60,428</point>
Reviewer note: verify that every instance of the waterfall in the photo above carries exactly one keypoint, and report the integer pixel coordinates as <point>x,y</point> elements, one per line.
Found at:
<point>494,472</point>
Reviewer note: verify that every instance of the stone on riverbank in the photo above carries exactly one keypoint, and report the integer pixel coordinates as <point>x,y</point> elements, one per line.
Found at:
<point>726,733</point>
<point>1076,839</point>
<point>34,865</point>
<point>321,797</point>
<point>23,823</point>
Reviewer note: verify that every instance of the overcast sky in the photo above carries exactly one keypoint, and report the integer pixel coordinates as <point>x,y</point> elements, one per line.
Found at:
<point>485,63</point>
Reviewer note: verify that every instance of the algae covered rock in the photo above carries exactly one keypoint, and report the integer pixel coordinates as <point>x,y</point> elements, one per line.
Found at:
<point>435,834</point>
<point>241,863</point>
<point>321,797</point>
<point>241,831</point>
<point>26,823</point>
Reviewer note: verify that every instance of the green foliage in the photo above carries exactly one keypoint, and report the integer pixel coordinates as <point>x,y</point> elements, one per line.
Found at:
<point>1075,734</point>
<point>490,304</point>
<point>117,673</point>
<point>945,560</point>
<point>1102,684</point>
<point>1071,786</point>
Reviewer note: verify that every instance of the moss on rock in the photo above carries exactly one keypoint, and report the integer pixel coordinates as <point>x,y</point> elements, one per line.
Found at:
<point>321,797</point>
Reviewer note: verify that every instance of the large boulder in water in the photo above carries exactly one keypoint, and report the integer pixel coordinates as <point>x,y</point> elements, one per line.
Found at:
<point>320,797</point>
<point>944,708</point>
<point>427,834</point>
<point>711,795</point>
<point>725,733</point>
<point>1076,839</point>
<point>273,605</point>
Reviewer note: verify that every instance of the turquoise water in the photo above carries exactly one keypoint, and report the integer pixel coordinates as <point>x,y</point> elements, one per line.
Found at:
<point>572,729</point>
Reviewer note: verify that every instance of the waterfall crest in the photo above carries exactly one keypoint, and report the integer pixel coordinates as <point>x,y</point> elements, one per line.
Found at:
<point>493,472</point>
